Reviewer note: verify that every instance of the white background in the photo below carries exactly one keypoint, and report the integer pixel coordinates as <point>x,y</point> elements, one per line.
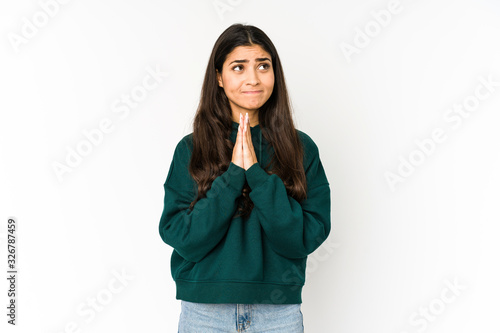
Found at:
<point>394,249</point>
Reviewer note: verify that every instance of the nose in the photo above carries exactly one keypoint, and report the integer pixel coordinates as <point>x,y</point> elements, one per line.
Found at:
<point>253,77</point>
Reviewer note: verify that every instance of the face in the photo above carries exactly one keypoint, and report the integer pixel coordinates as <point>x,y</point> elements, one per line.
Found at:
<point>247,79</point>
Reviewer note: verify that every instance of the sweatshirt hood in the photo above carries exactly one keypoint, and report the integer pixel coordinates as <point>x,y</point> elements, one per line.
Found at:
<point>256,139</point>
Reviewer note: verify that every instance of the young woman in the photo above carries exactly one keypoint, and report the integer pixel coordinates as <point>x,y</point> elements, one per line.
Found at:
<point>246,197</point>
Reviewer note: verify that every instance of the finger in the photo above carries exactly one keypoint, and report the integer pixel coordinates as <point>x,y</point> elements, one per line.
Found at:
<point>242,126</point>
<point>244,134</point>
<point>247,127</point>
<point>249,133</point>
<point>247,147</point>
<point>239,141</point>
<point>238,149</point>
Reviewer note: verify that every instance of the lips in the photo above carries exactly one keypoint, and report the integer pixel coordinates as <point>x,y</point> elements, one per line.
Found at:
<point>252,92</point>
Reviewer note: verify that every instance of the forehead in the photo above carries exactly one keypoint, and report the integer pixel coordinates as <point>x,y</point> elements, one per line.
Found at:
<point>247,53</point>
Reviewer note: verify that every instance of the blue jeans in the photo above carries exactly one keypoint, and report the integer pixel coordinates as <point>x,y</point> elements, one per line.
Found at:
<point>251,318</point>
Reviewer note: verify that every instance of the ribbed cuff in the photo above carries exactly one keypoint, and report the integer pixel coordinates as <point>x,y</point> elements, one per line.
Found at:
<point>235,177</point>
<point>256,175</point>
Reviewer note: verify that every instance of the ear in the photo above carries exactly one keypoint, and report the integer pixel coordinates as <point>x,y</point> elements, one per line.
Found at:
<point>219,78</point>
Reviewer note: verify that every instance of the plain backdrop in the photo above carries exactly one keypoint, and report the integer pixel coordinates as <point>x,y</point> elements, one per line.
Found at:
<point>394,93</point>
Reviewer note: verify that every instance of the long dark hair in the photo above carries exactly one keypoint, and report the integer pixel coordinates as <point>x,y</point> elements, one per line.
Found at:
<point>212,125</point>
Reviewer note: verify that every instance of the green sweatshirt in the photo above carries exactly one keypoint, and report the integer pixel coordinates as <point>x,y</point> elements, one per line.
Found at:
<point>219,258</point>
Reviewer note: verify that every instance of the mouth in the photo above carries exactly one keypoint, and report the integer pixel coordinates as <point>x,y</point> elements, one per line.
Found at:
<point>252,92</point>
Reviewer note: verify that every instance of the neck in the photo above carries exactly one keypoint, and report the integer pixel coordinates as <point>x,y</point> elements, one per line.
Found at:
<point>253,116</point>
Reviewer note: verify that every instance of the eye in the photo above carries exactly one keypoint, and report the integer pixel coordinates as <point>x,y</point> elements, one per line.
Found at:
<point>237,66</point>
<point>266,66</point>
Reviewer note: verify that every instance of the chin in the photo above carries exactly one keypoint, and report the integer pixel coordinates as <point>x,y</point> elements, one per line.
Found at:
<point>254,106</point>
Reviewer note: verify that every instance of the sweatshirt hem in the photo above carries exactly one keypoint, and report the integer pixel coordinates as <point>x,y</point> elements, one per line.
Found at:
<point>238,292</point>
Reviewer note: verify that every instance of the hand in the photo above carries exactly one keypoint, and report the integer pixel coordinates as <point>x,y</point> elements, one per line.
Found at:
<point>243,153</point>
<point>249,156</point>
<point>238,147</point>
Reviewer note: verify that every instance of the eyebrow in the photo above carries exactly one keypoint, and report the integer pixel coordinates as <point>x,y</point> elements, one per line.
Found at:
<point>242,61</point>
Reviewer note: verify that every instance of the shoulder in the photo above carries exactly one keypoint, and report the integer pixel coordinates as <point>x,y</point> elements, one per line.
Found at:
<point>178,175</point>
<point>311,150</point>
<point>313,167</point>
<point>185,143</point>
<point>184,148</point>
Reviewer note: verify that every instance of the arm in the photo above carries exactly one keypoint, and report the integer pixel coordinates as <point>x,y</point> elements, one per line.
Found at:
<point>193,234</point>
<point>294,229</point>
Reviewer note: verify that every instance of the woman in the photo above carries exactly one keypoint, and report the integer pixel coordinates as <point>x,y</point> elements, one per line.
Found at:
<point>246,196</point>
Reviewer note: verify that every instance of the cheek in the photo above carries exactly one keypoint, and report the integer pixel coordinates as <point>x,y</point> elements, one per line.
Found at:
<point>270,81</point>
<point>270,84</point>
<point>232,84</point>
